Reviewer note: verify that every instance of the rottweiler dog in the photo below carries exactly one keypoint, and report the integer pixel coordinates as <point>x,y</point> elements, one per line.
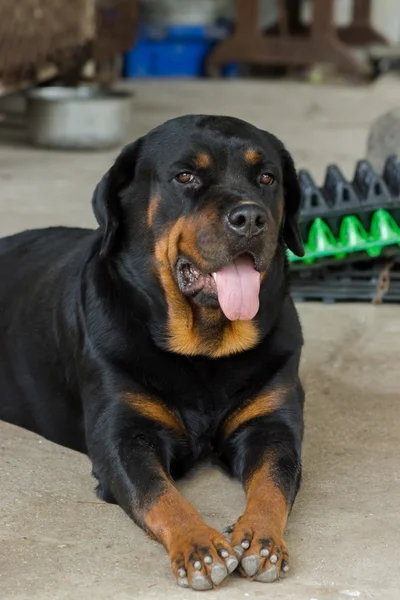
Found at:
<point>168,335</point>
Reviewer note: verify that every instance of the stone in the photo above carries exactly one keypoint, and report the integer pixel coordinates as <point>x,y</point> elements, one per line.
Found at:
<point>384,139</point>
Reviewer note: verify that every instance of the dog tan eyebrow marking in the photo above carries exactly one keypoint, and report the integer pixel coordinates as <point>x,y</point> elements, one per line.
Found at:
<point>151,211</point>
<point>153,409</point>
<point>203,160</point>
<point>252,157</point>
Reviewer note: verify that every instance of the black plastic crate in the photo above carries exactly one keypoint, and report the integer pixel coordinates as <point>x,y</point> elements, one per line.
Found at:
<point>343,218</point>
<point>368,281</point>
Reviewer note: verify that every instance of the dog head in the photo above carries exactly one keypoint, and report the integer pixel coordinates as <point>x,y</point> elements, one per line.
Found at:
<point>211,200</point>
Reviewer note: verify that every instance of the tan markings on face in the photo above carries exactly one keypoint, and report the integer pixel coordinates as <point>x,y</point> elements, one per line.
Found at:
<point>281,208</point>
<point>155,410</point>
<point>189,228</point>
<point>274,224</point>
<point>151,211</point>
<point>270,218</point>
<point>203,160</point>
<point>191,329</point>
<point>261,406</point>
<point>252,157</point>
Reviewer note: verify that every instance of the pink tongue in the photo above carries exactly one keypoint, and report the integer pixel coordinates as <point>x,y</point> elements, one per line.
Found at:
<point>238,286</point>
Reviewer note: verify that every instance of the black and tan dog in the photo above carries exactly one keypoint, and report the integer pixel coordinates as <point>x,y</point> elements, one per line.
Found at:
<point>169,334</point>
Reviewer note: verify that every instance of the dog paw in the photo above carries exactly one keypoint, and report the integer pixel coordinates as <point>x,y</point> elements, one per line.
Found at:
<point>263,555</point>
<point>201,558</point>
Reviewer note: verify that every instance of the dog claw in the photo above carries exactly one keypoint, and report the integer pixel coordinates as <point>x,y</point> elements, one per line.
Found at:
<point>251,564</point>
<point>218,574</point>
<point>183,582</point>
<point>182,573</point>
<point>269,575</point>
<point>238,550</point>
<point>231,563</point>
<point>199,582</point>
<point>228,529</point>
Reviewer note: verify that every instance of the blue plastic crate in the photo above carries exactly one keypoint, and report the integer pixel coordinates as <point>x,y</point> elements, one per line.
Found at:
<point>174,51</point>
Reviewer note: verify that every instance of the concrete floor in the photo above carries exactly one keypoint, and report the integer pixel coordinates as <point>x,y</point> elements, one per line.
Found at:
<point>58,542</point>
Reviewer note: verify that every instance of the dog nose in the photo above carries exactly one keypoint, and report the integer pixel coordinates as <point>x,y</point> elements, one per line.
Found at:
<point>247,220</point>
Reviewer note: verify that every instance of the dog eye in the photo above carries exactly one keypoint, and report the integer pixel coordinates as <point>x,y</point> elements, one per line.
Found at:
<point>185,177</point>
<point>267,179</point>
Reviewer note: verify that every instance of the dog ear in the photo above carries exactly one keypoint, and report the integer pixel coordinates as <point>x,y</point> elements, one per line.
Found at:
<point>291,232</point>
<point>106,200</point>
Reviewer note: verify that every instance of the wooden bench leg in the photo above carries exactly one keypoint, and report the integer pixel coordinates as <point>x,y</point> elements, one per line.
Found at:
<point>248,45</point>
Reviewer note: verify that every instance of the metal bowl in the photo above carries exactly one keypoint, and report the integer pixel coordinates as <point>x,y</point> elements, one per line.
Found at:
<point>85,118</point>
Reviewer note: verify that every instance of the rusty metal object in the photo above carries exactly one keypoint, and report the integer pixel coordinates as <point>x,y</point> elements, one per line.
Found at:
<point>383,285</point>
